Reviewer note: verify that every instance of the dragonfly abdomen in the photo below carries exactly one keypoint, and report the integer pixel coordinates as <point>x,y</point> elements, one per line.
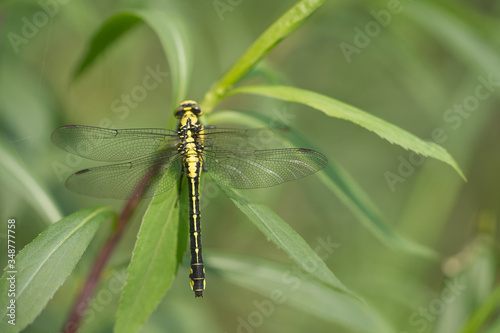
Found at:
<point>197,273</point>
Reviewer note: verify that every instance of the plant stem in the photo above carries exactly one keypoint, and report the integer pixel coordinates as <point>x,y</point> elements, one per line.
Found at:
<point>81,303</point>
<point>285,25</point>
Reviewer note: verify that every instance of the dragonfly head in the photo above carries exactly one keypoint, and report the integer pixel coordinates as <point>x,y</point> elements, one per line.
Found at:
<point>186,106</point>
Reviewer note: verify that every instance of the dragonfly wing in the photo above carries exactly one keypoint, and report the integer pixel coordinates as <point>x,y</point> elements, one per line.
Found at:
<point>243,139</point>
<point>110,145</point>
<point>261,168</point>
<point>120,181</point>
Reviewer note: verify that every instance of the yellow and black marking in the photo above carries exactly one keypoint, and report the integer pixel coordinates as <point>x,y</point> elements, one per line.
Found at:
<point>191,147</point>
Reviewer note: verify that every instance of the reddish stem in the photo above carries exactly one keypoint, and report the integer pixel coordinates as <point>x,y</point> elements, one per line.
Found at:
<point>81,303</point>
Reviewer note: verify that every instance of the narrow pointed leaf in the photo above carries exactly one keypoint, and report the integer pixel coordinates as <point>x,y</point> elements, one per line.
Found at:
<point>109,32</point>
<point>154,263</point>
<point>341,184</point>
<point>176,44</point>
<point>304,294</point>
<point>280,233</point>
<point>45,263</point>
<point>337,109</point>
<point>170,31</point>
<point>281,28</point>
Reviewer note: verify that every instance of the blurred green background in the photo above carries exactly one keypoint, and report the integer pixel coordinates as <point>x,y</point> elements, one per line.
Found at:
<point>423,68</point>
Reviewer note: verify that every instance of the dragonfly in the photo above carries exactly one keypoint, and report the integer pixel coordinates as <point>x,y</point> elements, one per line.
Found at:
<point>162,157</point>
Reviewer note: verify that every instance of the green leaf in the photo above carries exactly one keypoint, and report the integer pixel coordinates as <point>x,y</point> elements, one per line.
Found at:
<point>109,32</point>
<point>44,264</point>
<point>334,108</point>
<point>341,184</point>
<point>183,229</point>
<point>170,31</point>
<point>281,28</point>
<point>283,285</point>
<point>280,233</point>
<point>154,263</point>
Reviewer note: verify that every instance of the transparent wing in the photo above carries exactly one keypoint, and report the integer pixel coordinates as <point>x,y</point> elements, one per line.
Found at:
<point>109,145</point>
<point>261,168</point>
<point>120,181</point>
<point>243,139</point>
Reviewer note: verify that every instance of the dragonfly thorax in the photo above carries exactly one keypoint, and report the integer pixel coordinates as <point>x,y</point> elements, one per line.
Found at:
<point>191,142</point>
<point>189,120</point>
